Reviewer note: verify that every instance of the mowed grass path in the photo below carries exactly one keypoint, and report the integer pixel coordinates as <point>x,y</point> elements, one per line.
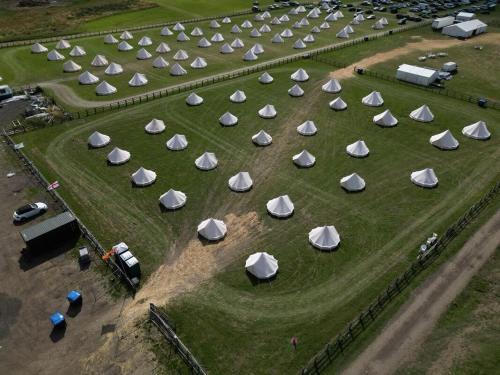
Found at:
<point>20,66</point>
<point>230,324</point>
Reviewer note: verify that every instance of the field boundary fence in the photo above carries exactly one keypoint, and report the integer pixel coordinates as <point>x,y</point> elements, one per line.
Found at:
<point>61,203</point>
<point>341,342</point>
<point>436,90</point>
<point>160,319</point>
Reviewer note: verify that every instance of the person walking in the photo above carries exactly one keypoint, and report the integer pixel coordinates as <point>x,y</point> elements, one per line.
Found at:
<point>294,341</point>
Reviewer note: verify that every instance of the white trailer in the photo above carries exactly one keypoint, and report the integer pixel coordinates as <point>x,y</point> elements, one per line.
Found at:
<point>439,23</point>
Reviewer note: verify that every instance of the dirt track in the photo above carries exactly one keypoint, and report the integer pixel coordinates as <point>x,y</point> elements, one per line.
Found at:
<point>407,330</point>
<point>422,45</point>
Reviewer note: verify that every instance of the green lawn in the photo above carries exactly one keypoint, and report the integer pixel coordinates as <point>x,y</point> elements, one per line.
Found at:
<point>19,66</point>
<point>230,324</point>
<point>77,16</point>
<point>465,340</point>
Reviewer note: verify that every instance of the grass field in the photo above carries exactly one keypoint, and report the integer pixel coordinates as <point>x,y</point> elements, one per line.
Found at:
<point>465,340</point>
<point>76,16</point>
<point>20,67</point>
<point>230,324</point>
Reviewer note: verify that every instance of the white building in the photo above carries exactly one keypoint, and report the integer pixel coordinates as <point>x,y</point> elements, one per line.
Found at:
<point>416,74</point>
<point>465,29</point>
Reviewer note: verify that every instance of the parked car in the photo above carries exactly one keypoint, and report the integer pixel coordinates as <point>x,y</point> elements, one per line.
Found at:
<point>29,211</point>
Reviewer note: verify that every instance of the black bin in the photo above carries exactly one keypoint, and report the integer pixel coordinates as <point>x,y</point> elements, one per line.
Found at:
<point>482,102</point>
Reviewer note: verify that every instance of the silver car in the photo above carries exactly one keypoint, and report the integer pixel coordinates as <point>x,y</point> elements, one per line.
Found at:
<point>30,210</point>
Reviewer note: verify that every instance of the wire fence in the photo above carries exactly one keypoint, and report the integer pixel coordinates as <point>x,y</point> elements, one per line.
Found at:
<point>117,272</point>
<point>436,90</point>
<point>333,349</point>
<point>167,329</point>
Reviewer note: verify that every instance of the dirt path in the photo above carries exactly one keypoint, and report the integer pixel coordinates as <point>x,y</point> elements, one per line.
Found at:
<point>407,330</point>
<point>422,45</point>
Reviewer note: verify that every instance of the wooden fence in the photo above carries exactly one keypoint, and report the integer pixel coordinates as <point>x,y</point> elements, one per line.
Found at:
<point>61,203</point>
<point>167,329</point>
<point>338,345</point>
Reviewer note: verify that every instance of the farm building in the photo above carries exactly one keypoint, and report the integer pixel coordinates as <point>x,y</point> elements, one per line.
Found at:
<point>465,16</point>
<point>417,75</point>
<point>465,29</point>
<point>439,23</point>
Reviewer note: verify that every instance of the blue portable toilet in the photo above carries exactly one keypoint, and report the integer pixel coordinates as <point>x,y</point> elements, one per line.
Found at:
<point>74,297</point>
<point>57,319</point>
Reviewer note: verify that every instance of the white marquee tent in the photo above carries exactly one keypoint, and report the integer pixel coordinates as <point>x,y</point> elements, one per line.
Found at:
<point>324,238</point>
<point>143,177</point>
<point>422,114</point>
<point>177,70</point>
<point>353,182</point>
<point>358,149</point>
<point>212,229</point>
<point>240,182</point>
<point>63,44</point>
<point>206,161</point>
<point>143,54</point>
<point>118,156</point>
<point>194,99</point>
<point>55,56</point>
<point>38,48</point>
<point>177,142</point>
<point>87,78</point>
<point>300,75</point>
<point>105,88</point>
<point>238,97</point>
<point>338,104</point>
<point>280,207</point>
<point>262,265</point>
<point>373,99</point>
<point>155,126</point>
<point>98,140</point>
<point>478,130</point>
<point>307,128</point>
<point>126,35</point>
<point>123,46</point>
<point>181,55</point>
<point>444,141</point>
<point>173,199</point>
<point>160,63</point>
<point>332,86</point>
<point>385,119</point>
<point>228,119</point>
<point>138,79</point>
<point>296,91</point>
<point>268,111</point>
<point>424,178</point>
<point>99,60</point>
<point>113,69</point>
<point>262,138</point>
<point>110,39</point>
<point>163,48</point>
<point>304,159</point>
<point>266,78</point>
<point>71,66</point>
